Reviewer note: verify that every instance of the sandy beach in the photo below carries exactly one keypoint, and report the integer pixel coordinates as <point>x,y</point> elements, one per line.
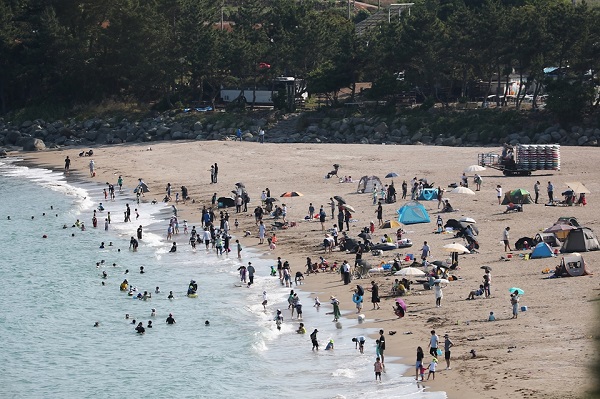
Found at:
<point>548,348</point>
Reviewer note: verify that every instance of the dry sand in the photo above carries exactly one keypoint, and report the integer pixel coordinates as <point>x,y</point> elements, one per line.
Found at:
<point>551,344</point>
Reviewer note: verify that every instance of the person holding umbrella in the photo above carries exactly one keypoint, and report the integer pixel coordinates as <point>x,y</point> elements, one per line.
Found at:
<point>514,301</point>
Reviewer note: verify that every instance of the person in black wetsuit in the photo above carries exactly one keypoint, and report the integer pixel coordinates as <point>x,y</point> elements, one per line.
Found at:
<point>140,328</point>
<point>170,320</point>
<point>139,232</point>
<point>174,247</point>
<point>193,287</point>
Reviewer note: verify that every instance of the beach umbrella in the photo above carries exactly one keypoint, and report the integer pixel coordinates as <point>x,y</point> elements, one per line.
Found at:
<point>390,224</point>
<point>467,220</point>
<point>441,281</point>
<point>349,207</point>
<point>291,194</point>
<point>474,168</point>
<point>455,247</point>
<point>558,228</point>
<point>485,267</point>
<point>462,190</point>
<point>578,187</point>
<point>519,291</point>
<point>339,199</point>
<point>400,302</point>
<point>391,175</point>
<point>410,272</point>
<point>270,200</point>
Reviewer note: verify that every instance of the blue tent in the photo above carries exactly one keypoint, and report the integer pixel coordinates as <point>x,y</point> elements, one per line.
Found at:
<point>412,213</point>
<point>542,250</point>
<point>429,194</point>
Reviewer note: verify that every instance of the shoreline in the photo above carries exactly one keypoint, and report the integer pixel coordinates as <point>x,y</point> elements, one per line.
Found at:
<point>462,320</point>
<point>309,287</point>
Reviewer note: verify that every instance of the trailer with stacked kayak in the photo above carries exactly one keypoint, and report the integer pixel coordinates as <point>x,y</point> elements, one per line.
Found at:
<point>522,159</point>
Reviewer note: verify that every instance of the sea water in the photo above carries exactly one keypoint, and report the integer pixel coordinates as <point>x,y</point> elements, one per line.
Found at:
<point>51,294</point>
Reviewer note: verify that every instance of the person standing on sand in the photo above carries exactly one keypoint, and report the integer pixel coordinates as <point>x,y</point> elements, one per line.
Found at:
<point>347,216</point>
<point>447,345</point>
<point>379,213</point>
<point>425,253</point>
<point>341,219</point>
<point>536,190</point>
<point>216,173</point>
<point>322,216</point>
<point>404,189</point>
<point>212,174</point>
<point>375,295</point>
<point>434,341</point>
<point>261,232</point>
<point>332,205</point>
<point>550,192</point>
<point>505,239</point>
<point>311,211</point>
<point>439,294</point>
<point>67,164</point>
<point>499,194</point>
<point>92,168</point>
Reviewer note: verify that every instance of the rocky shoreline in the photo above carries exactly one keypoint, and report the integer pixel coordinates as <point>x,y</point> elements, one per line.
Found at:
<point>39,135</point>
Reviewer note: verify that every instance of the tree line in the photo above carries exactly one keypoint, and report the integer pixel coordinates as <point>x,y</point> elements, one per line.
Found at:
<point>84,51</point>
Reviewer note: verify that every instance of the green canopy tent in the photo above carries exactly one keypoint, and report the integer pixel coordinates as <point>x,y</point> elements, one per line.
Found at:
<point>518,196</point>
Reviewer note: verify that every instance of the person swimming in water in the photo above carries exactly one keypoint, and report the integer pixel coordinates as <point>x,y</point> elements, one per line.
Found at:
<point>170,295</point>
<point>146,296</point>
<point>170,320</point>
<point>102,245</point>
<point>149,324</point>
<point>124,285</point>
<point>174,247</point>
<point>142,270</point>
<point>104,275</point>
<point>157,290</point>
<point>192,287</point>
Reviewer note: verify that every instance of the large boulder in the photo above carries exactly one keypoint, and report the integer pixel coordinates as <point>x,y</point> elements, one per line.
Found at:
<point>13,136</point>
<point>33,144</point>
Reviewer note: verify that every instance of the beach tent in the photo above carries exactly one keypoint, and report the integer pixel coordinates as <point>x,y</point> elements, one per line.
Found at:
<point>520,243</point>
<point>225,202</point>
<point>366,184</point>
<point>412,213</point>
<point>518,196</point>
<point>541,250</point>
<point>582,239</point>
<point>429,194</point>
<point>548,238</point>
<point>571,221</point>
<point>572,265</point>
